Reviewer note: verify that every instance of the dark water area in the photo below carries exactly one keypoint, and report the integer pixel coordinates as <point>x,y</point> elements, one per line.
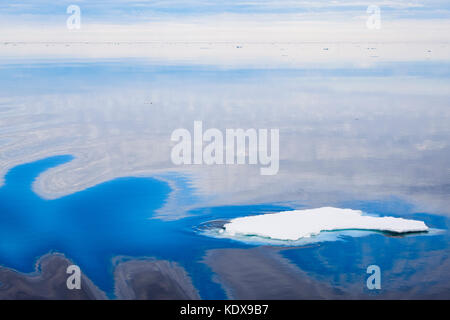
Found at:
<point>93,226</point>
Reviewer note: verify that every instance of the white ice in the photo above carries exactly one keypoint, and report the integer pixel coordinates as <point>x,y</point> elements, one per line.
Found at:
<point>297,224</point>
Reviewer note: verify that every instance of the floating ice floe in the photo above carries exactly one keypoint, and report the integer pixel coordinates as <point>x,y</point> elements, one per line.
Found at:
<point>297,224</point>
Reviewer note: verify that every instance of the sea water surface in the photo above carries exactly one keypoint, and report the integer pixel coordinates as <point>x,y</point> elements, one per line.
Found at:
<point>86,117</point>
<point>114,218</point>
<point>85,152</point>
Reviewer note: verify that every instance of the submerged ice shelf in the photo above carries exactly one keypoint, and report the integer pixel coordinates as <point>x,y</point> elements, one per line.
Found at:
<point>297,224</point>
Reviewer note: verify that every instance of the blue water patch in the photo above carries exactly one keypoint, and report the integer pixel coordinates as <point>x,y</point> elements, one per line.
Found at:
<point>93,226</point>
<point>54,76</point>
